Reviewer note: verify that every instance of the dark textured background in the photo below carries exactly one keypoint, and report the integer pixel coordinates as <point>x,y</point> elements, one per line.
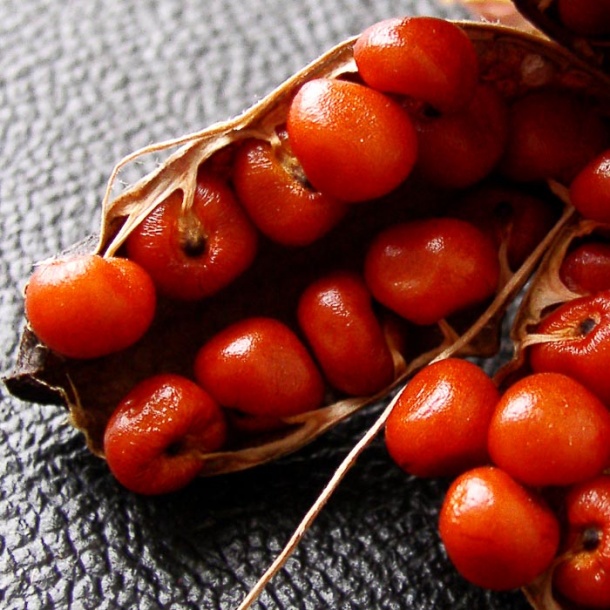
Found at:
<point>82,83</point>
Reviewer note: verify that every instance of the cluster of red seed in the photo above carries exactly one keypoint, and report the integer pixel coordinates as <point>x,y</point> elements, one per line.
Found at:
<point>416,105</point>
<point>528,465</point>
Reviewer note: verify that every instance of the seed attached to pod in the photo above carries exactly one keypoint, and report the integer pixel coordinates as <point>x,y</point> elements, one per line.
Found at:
<point>86,306</point>
<point>279,201</point>
<point>195,252</point>
<point>336,315</point>
<point>260,367</point>
<point>155,438</point>
<point>583,573</point>
<point>354,143</point>
<point>426,270</point>
<point>460,149</point>
<point>579,345</point>
<point>426,58</point>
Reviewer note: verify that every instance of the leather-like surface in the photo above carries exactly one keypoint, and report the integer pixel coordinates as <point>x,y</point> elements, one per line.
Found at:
<point>82,83</point>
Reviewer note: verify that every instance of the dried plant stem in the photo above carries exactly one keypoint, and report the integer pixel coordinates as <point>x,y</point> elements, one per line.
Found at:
<point>147,150</point>
<point>538,338</point>
<point>317,507</point>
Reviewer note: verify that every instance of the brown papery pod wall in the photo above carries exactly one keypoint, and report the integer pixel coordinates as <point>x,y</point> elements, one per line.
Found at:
<point>511,60</point>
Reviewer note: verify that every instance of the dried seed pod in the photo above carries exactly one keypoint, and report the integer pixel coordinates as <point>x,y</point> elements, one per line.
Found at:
<point>510,61</point>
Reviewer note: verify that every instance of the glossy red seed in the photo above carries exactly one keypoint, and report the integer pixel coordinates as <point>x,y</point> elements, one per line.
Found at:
<point>336,315</point>
<point>439,424</point>
<point>278,201</point>
<point>590,190</point>
<point>428,269</point>
<point>259,366</point>
<point>194,253</point>
<point>87,306</point>
<point>498,534</point>
<point>583,574</point>
<point>155,439</point>
<point>426,58</point>
<point>586,268</point>
<point>579,342</point>
<point>353,142</point>
<point>548,429</point>
<point>460,149</point>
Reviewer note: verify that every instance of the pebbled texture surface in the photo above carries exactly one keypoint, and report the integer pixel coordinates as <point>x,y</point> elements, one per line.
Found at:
<point>82,83</point>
